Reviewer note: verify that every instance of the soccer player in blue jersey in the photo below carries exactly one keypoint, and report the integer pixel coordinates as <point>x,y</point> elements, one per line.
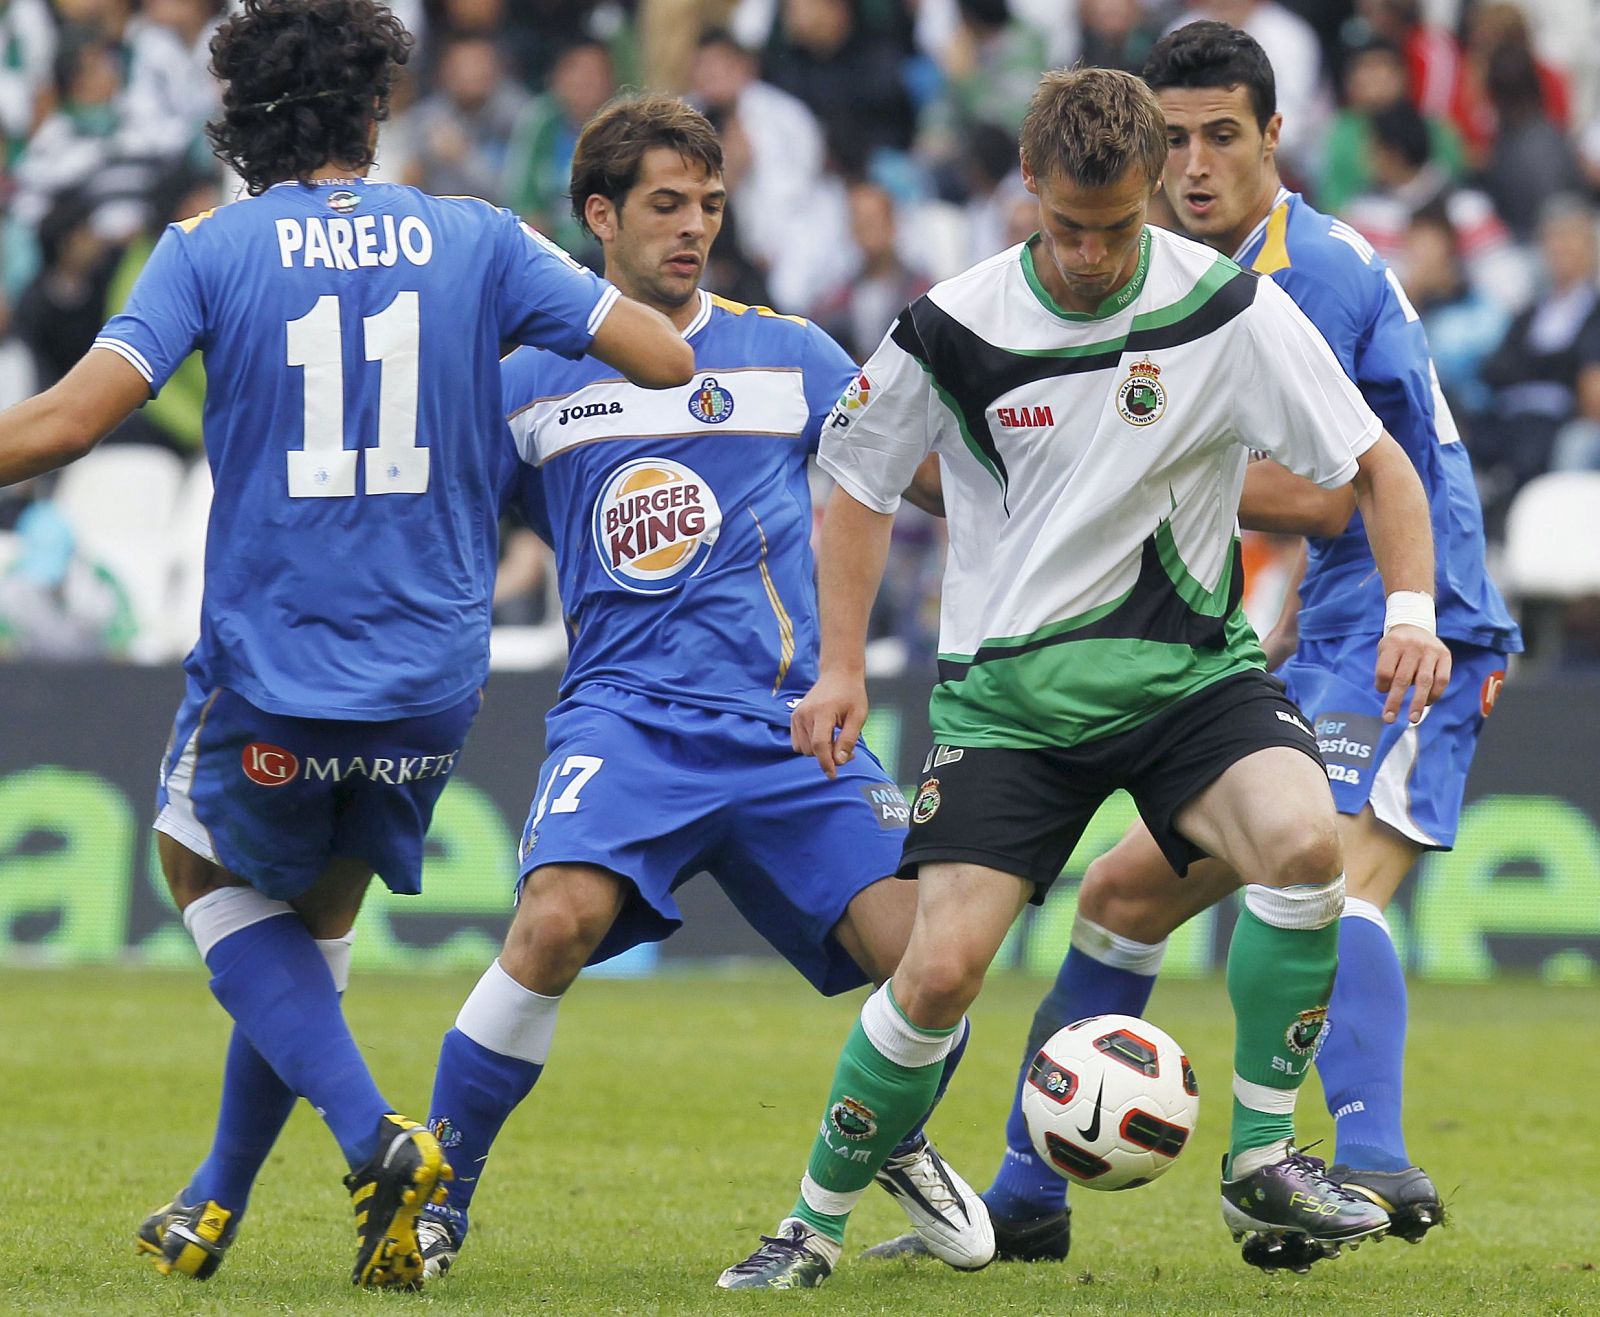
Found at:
<point>351,336</point>
<point>1398,786</point>
<point>681,524</point>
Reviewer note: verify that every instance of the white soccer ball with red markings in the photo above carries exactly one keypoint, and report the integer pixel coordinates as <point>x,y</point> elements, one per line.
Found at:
<point>1110,1102</point>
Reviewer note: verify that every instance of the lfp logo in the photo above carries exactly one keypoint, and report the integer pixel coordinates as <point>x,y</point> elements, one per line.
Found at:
<point>654,524</point>
<point>269,765</point>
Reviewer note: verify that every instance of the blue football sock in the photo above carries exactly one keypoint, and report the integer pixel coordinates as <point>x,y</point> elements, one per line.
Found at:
<point>913,1140</point>
<point>273,980</point>
<point>255,1105</point>
<point>1363,1057</point>
<point>473,1093</point>
<point>1024,1186</point>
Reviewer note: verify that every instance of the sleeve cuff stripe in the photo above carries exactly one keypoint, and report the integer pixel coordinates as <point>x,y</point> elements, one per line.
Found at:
<point>131,355</point>
<point>602,308</point>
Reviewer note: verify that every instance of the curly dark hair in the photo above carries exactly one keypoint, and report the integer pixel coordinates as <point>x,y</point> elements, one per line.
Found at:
<point>304,81</point>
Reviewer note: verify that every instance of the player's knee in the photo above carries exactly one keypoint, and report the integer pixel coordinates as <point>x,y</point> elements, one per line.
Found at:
<point>558,924</point>
<point>935,992</point>
<point>1121,907</point>
<point>1302,856</point>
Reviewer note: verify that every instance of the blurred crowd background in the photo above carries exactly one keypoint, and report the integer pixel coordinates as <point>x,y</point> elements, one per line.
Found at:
<point>871,151</point>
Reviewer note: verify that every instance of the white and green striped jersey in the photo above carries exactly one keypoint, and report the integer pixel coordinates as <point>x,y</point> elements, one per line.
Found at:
<point>1092,465</point>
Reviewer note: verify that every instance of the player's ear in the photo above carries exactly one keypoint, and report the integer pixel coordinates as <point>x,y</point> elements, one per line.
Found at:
<point>1028,179</point>
<point>601,216</point>
<point>1269,135</point>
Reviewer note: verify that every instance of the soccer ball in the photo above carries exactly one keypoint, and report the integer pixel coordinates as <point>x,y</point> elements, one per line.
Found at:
<point>1110,1102</point>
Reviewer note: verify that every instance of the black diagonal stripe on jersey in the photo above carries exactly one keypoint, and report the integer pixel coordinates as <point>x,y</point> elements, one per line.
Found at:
<point>1222,306</point>
<point>1153,610</point>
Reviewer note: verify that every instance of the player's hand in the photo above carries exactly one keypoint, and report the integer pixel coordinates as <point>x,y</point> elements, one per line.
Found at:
<point>835,703</point>
<point>1411,658</point>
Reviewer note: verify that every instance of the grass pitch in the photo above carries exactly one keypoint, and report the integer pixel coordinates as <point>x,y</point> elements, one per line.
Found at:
<point>674,1122</point>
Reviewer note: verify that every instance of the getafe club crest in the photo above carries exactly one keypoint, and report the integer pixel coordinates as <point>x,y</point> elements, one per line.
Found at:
<point>854,1120</point>
<point>710,403</point>
<point>1141,399</point>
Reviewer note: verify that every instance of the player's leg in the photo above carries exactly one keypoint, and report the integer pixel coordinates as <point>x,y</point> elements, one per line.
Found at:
<point>890,1066</point>
<point>947,1219</point>
<point>618,816</point>
<point>493,1056</point>
<point>803,861</point>
<point>1130,901</point>
<point>1270,817</point>
<point>246,844</point>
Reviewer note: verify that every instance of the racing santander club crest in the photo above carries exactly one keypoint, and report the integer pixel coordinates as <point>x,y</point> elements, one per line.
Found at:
<point>655,523</point>
<point>710,403</point>
<point>1141,399</point>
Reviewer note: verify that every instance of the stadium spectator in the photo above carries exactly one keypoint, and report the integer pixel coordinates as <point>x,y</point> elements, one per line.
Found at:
<point>539,156</point>
<point>671,33</point>
<point>1116,34</point>
<point>1296,57</point>
<point>1463,325</point>
<point>61,311</point>
<point>170,92</point>
<point>858,311</point>
<point>461,132</point>
<point>79,138</point>
<point>1406,180</point>
<point>990,65</point>
<point>1434,67</point>
<point>848,76</point>
<point>793,223</point>
<point>28,36</point>
<point>1548,361</point>
<point>1492,28</point>
<point>1531,158</point>
<point>1374,79</point>
<point>992,183</point>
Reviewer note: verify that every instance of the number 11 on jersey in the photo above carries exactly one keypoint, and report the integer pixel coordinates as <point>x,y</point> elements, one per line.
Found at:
<point>323,467</point>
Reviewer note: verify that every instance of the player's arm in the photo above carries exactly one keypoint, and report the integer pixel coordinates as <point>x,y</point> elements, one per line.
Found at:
<point>644,345</point>
<point>850,563</point>
<point>926,490</point>
<point>1284,638</point>
<point>872,444</point>
<point>60,425</point>
<point>1394,507</point>
<point>1277,500</point>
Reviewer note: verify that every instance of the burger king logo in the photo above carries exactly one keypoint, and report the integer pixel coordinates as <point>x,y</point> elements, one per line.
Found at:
<point>655,524</point>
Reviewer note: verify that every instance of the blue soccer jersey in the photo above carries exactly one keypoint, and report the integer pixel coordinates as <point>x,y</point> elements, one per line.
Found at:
<point>1354,298</point>
<point>351,334</point>
<point>681,518</point>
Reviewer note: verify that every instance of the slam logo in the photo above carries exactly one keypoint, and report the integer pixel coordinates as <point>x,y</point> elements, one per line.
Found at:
<point>710,403</point>
<point>654,525</point>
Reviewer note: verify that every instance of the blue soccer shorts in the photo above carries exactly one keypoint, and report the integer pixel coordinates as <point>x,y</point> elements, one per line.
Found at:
<point>273,798</point>
<point>659,791</point>
<point>1414,777</point>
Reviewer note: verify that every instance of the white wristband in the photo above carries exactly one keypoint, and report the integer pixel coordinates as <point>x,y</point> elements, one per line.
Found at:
<point>1409,608</point>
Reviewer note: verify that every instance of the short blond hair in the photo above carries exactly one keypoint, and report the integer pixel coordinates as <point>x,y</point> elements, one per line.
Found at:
<point>1091,125</point>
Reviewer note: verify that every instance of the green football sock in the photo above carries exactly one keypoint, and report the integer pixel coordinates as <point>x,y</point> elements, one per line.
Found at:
<point>874,1101</point>
<point>1279,981</point>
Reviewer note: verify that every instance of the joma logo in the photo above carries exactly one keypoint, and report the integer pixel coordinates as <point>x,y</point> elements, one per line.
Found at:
<point>583,411</point>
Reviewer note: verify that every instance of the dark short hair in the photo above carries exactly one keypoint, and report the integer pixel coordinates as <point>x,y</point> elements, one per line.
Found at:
<point>303,82</point>
<point>613,144</point>
<point>1091,125</point>
<point>1402,129</point>
<point>1212,54</point>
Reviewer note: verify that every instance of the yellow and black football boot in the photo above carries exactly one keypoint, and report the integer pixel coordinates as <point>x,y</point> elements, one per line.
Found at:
<point>187,1239</point>
<point>405,1174</point>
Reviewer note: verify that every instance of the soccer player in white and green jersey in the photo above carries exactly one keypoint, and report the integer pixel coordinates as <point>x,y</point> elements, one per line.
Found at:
<point>1092,396</point>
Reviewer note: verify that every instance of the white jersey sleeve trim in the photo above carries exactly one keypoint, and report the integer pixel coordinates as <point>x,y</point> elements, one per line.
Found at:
<point>602,309</point>
<point>131,355</point>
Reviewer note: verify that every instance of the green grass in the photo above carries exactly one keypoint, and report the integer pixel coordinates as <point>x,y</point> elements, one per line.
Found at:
<point>674,1123</point>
